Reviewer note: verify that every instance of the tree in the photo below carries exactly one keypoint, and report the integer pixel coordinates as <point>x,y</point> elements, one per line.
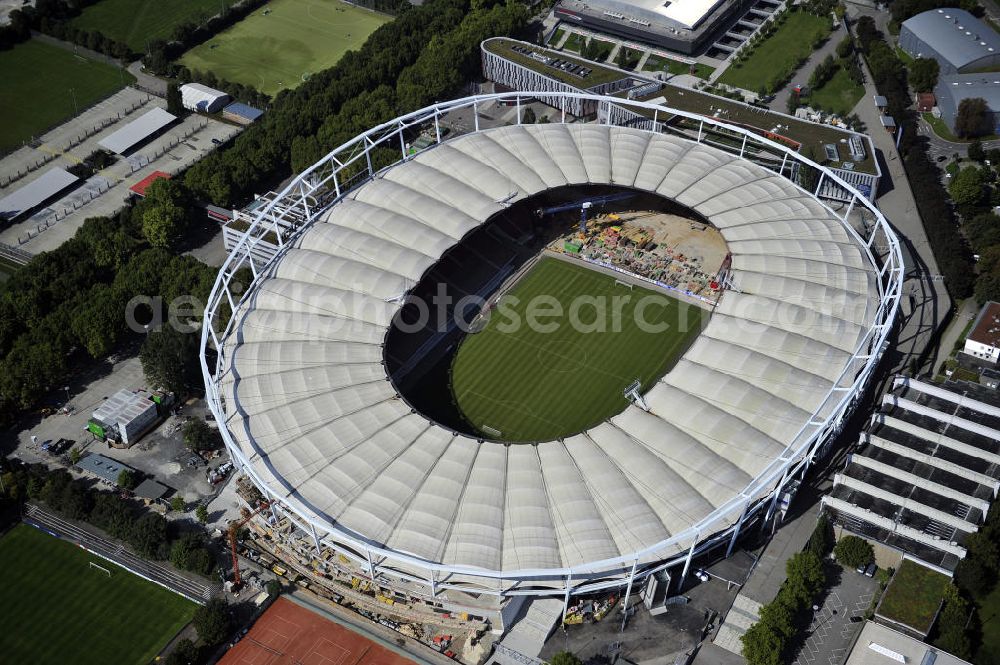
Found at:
<point>761,645</point>
<point>170,360</point>
<point>177,504</point>
<point>126,479</point>
<point>852,551</point>
<point>973,118</point>
<point>976,152</point>
<point>967,188</point>
<point>198,435</point>
<point>565,658</point>
<point>528,116</point>
<point>273,588</point>
<point>924,74</point>
<point>212,621</point>
<point>74,455</point>
<point>148,536</point>
<point>175,104</point>
<point>822,539</point>
<point>185,653</point>
<point>163,225</point>
<point>189,553</point>
<point>805,577</point>
<point>845,47</point>
<point>951,625</point>
<point>201,512</point>
<point>779,617</point>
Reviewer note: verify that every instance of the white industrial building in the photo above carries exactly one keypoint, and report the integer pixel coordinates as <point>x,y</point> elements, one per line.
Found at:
<point>198,97</point>
<point>310,415</point>
<point>125,416</point>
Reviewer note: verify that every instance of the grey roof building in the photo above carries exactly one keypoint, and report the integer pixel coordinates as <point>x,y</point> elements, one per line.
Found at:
<point>951,90</point>
<point>959,41</point>
<point>103,467</point>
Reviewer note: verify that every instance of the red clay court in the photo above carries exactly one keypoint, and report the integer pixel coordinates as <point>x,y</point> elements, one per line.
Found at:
<point>287,634</point>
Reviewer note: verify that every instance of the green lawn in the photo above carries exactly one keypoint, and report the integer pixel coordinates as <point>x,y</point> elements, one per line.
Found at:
<point>556,37</point>
<point>655,63</point>
<point>280,48</point>
<point>137,21</point>
<point>534,383</point>
<point>941,128</point>
<point>574,43</point>
<point>913,596</point>
<point>779,52</point>
<point>840,94</point>
<point>39,82</point>
<point>58,609</point>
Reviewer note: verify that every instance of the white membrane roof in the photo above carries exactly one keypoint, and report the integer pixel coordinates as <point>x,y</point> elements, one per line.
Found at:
<point>307,398</point>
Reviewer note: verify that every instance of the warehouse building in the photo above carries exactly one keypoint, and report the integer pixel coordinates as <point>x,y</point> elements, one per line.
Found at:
<point>124,417</point>
<point>104,468</point>
<point>951,90</point>
<point>925,474</point>
<point>959,41</point>
<point>241,113</point>
<point>198,97</point>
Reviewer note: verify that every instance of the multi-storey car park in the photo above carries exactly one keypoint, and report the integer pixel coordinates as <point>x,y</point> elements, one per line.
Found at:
<point>300,379</point>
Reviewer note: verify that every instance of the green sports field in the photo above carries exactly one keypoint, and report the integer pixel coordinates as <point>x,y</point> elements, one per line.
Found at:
<point>137,22</point>
<point>58,609</point>
<point>272,51</point>
<point>37,82</point>
<point>540,382</point>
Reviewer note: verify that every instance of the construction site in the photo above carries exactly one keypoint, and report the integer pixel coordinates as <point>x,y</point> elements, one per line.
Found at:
<point>684,256</point>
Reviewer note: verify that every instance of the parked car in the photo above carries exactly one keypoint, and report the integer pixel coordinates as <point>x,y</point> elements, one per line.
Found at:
<point>860,570</point>
<point>871,570</point>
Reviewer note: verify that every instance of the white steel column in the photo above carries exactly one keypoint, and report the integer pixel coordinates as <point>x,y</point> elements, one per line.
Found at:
<point>687,561</point>
<point>628,592</point>
<point>736,529</point>
<point>371,567</point>
<point>569,579</point>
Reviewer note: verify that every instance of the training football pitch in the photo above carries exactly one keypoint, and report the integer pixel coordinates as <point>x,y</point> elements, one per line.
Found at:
<point>540,382</point>
<point>284,42</point>
<point>58,609</point>
<point>39,85</point>
<point>138,22</point>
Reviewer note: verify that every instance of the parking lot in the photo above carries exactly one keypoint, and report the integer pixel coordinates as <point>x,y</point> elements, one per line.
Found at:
<point>105,192</point>
<point>161,453</point>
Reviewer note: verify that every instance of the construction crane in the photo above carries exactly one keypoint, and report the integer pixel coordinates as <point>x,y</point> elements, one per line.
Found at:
<point>584,205</point>
<point>234,527</point>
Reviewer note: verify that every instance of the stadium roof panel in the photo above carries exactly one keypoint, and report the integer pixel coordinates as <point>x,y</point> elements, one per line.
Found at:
<point>323,428</point>
<point>137,131</point>
<point>35,193</point>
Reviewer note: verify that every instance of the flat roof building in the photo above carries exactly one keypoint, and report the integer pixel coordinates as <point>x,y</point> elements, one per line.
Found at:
<point>137,131</point>
<point>959,41</point>
<point>952,89</point>
<point>103,467</point>
<point>126,415</point>
<point>141,186</point>
<point>881,645</point>
<point>198,97</point>
<point>25,199</point>
<point>241,113</point>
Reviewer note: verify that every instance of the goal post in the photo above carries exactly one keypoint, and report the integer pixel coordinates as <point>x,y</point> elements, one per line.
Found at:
<point>106,571</point>
<point>627,285</point>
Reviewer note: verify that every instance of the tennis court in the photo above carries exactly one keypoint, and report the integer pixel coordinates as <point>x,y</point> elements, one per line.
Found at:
<point>289,634</point>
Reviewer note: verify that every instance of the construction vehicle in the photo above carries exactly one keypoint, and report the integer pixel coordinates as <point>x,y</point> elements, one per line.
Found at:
<point>234,527</point>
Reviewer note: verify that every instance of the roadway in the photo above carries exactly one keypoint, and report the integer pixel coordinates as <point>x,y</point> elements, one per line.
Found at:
<point>165,576</point>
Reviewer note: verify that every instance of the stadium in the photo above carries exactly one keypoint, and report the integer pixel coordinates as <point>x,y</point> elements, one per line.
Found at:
<point>328,405</point>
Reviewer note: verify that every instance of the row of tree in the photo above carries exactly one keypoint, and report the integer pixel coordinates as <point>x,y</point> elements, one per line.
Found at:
<point>950,249</point>
<point>147,533</point>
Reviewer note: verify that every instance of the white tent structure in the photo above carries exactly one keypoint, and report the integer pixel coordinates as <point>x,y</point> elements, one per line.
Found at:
<point>198,97</point>
<point>311,416</point>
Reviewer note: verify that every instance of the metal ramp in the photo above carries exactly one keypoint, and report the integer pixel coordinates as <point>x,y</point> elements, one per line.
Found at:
<point>523,642</point>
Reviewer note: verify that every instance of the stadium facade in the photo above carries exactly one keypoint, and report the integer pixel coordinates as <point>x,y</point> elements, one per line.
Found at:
<point>377,491</point>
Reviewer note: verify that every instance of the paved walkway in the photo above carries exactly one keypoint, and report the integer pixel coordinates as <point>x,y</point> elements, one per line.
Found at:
<point>780,101</point>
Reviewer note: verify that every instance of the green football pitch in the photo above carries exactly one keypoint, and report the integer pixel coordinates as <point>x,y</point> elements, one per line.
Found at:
<point>39,85</point>
<point>59,609</point>
<point>137,22</point>
<point>540,382</point>
<point>285,41</point>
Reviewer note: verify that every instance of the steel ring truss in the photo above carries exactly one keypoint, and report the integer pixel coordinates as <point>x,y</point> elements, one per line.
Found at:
<point>320,186</point>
